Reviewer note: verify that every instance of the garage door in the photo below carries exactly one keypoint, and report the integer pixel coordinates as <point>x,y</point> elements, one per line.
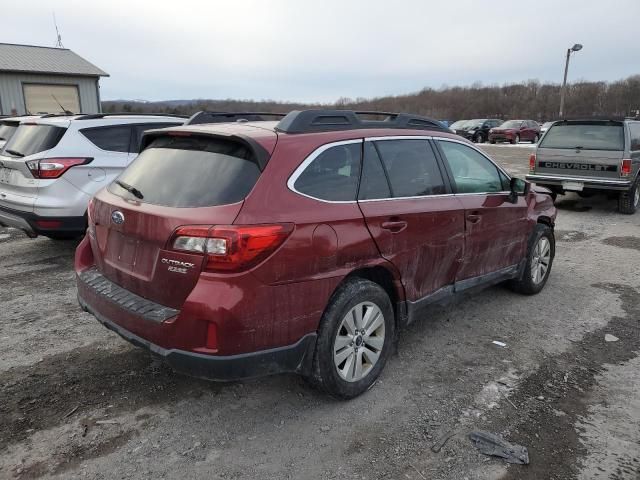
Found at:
<point>41,98</point>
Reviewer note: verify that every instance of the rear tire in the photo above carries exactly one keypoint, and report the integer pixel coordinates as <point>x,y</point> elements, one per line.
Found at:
<point>492,142</point>
<point>479,138</point>
<point>516,140</point>
<point>540,254</point>
<point>350,353</point>
<point>629,201</point>
<point>63,235</point>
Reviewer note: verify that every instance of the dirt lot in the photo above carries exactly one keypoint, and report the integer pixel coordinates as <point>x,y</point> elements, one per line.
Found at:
<point>76,401</point>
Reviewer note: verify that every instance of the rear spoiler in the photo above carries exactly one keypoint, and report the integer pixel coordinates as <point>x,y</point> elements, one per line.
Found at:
<point>260,153</point>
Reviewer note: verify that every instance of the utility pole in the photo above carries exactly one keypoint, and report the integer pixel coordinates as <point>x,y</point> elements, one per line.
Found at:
<point>577,47</point>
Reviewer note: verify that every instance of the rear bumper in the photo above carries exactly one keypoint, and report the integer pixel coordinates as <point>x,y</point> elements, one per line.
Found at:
<point>595,183</point>
<point>290,358</point>
<point>33,224</point>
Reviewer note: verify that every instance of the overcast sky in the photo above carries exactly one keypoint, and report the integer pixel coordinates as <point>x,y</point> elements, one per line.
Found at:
<point>304,50</point>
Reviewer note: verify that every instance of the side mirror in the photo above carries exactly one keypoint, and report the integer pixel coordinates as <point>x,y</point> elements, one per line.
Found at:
<point>518,188</point>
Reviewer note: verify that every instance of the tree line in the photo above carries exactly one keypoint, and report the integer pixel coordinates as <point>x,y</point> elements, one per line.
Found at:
<point>531,100</point>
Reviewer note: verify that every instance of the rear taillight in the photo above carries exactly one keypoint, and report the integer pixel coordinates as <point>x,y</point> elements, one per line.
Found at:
<point>532,162</point>
<point>625,167</point>
<point>231,248</point>
<point>49,168</point>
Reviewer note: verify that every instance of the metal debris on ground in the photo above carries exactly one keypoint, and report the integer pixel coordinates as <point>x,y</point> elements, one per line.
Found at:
<point>499,343</point>
<point>495,446</point>
<point>610,338</point>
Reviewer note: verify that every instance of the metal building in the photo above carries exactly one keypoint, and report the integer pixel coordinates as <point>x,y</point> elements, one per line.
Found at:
<point>47,80</point>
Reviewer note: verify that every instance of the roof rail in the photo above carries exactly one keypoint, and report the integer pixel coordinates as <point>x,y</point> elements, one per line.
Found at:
<point>227,117</point>
<point>611,118</point>
<point>93,116</point>
<point>305,121</point>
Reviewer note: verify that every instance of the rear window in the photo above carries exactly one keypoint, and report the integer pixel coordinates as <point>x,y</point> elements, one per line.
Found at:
<point>7,130</point>
<point>33,138</point>
<point>587,136</point>
<point>191,172</point>
<point>333,175</point>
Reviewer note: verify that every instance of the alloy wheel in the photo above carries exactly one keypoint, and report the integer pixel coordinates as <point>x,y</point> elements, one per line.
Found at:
<point>359,341</point>
<point>541,259</point>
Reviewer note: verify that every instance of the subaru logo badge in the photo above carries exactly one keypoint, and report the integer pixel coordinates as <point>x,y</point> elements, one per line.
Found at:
<point>117,217</point>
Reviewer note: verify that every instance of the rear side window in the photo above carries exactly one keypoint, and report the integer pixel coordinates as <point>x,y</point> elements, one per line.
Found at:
<point>33,138</point>
<point>634,130</point>
<point>191,172</point>
<point>374,183</point>
<point>7,130</point>
<point>587,136</point>
<point>333,175</point>
<point>412,168</point>
<point>113,139</point>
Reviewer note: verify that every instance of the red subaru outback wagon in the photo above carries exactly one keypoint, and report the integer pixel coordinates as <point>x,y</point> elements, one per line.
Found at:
<point>242,249</point>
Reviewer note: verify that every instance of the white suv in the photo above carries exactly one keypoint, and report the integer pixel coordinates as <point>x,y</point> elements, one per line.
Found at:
<point>52,166</point>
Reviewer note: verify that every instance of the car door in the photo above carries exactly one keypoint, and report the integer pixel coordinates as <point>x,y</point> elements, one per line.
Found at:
<point>495,228</point>
<point>417,224</point>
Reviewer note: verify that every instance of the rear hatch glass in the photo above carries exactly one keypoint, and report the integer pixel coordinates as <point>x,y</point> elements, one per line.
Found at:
<point>31,138</point>
<point>7,129</point>
<point>585,136</point>
<point>175,171</point>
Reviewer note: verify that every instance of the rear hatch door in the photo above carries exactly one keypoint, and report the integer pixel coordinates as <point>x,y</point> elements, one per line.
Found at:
<point>183,180</point>
<point>18,187</point>
<point>588,149</point>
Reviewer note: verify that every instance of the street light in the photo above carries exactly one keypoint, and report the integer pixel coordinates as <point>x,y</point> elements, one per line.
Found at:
<point>576,48</point>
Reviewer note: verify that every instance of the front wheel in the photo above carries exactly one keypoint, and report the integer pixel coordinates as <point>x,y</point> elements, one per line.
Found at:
<point>354,340</point>
<point>629,201</point>
<point>479,139</point>
<point>535,139</point>
<point>540,254</point>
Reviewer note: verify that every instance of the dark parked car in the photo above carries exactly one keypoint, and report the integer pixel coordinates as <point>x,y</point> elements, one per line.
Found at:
<point>591,156</point>
<point>244,249</point>
<point>477,130</point>
<point>514,131</point>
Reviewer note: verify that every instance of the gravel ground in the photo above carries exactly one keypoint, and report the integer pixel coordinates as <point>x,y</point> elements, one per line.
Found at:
<point>76,401</point>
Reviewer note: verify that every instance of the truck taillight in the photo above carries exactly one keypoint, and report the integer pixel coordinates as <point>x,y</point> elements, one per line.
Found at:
<point>231,248</point>
<point>50,168</point>
<point>532,162</point>
<point>625,168</point>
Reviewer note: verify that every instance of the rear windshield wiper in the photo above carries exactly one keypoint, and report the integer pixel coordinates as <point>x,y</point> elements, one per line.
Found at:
<point>132,190</point>
<point>14,153</point>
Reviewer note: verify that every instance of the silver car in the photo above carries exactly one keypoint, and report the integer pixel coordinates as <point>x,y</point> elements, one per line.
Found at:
<point>590,156</point>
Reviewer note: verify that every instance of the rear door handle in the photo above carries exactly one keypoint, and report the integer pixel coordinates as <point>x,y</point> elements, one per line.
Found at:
<point>394,226</point>
<point>474,218</point>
